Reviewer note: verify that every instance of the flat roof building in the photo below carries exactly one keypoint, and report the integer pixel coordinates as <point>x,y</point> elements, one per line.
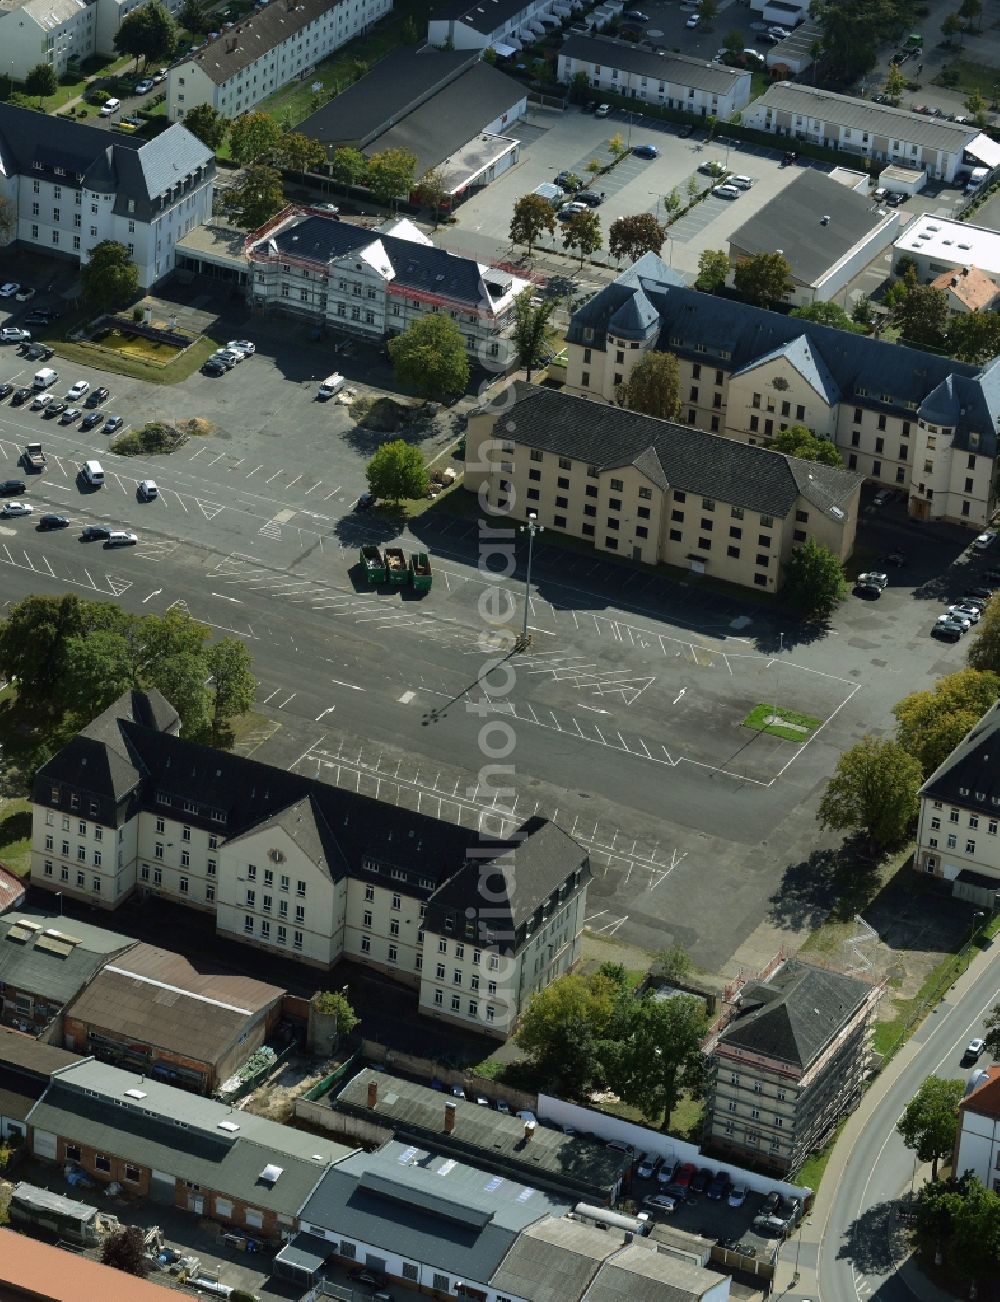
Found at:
<point>826,232</point>
<point>939,244</point>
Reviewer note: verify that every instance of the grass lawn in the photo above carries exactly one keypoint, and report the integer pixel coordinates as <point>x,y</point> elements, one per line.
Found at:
<point>812,1171</point>
<point>138,368</point>
<point>780,722</point>
<point>294,102</point>
<point>971,77</point>
<point>15,836</point>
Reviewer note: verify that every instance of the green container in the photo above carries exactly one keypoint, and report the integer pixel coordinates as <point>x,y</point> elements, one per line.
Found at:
<point>396,567</point>
<point>420,571</point>
<point>371,559</point>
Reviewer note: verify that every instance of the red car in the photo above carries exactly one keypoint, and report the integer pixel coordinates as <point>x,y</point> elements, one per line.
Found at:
<point>685,1174</point>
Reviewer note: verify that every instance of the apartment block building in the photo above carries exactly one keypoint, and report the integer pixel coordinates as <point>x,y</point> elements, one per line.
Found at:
<point>654,491</point>
<point>788,1065</point>
<point>902,418</point>
<point>73,186</point>
<point>876,131</point>
<point>958,826</point>
<point>501,25</point>
<point>673,81</point>
<point>374,283</point>
<point>280,42</point>
<point>45,31</point>
<point>293,866</point>
<point>977,1144</point>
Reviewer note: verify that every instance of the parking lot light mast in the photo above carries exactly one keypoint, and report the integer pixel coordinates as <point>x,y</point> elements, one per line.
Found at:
<point>531,528</point>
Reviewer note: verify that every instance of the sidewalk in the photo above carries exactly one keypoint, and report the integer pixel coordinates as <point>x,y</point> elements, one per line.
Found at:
<point>805,1247</point>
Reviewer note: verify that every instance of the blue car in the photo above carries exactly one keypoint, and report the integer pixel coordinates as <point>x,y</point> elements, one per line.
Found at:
<point>646,151</point>
<point>719,1188</point>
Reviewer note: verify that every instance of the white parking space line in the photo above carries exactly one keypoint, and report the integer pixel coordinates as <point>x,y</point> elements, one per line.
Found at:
<point>254,471</point>
<point>180,501</point>
<point>274,476</point>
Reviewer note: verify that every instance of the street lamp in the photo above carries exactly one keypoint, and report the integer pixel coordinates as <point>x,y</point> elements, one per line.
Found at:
<point>531,528</point>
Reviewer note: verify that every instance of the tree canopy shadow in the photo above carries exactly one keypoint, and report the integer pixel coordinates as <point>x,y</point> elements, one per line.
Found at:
<point>876,1241</point>
<point>828,883</point>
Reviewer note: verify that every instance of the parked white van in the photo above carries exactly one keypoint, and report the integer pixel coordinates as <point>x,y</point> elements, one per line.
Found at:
<point>45,378</point>
<point>110,106</point>
<point>331,385</point>
<point>93,473</point>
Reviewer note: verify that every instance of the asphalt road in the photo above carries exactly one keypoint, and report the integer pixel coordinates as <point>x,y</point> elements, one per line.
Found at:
<point>864,1242</point>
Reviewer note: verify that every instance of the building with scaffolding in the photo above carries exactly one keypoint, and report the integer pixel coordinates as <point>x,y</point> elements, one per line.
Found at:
<point>376,282</point>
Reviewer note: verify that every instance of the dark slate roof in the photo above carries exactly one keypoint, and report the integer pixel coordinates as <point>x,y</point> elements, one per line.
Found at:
<point>735,336</point>
<point>573,1164</point>
<point>31,1057</point>
<point>416,266</point>
<point>791,222</point>
<point>970,776</point>
<point>792,1016</point>
<point>678,456</point>
<point>680,69</point>
<point>54,958</point>
<point>261,30</point>
<point>98,160</point>
<point>453,118</point>
<point>341,829</point>
<point>484,16</point>
<point>425,1206</point>
<point>523,874</point>
<point>396,86</point>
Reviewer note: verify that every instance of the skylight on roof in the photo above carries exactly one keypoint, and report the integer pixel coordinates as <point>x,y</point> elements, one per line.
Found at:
<point>135,1094</point>
<point>229,1126</point>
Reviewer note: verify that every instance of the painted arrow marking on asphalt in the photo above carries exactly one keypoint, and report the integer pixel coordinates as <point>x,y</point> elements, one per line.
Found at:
<point>155,593</point>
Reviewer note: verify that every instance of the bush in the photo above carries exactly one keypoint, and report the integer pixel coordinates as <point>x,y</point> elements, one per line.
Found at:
<point>159,437</point>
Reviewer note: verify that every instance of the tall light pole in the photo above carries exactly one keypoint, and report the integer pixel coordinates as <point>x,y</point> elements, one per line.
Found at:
<point>531,528</point>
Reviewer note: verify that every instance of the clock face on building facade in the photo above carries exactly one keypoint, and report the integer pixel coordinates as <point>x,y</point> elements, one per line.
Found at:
<point>276,856</point>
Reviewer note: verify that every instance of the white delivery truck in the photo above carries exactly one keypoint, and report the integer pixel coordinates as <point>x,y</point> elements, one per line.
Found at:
<point>45,378</point>
<point>93,473</point>
<point>331,386</point>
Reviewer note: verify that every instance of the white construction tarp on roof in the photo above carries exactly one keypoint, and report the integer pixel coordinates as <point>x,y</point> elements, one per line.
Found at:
<point>985,149</point>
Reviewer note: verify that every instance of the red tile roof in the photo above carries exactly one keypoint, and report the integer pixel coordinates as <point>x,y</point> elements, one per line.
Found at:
<point>985,1098</point>
<point>30,1269</point>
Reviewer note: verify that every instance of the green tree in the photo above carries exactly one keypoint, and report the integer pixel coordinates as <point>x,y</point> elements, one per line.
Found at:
<point>617,146</point>
<point>148,32</point>
<point>109,277</point>
<point>798,441</point>
<point>194,16</point>
<point>828,314</point>
<point>907,271</point>
<point>974,1250</point>
<point>694,187</point>
<point>978,109</point>
<point>208,124</point>
<point>175,661</point>
<point>256,197</point>
<point>732,42</point>
<point>430,357</point>
<point>992,1036</point>
<point>583,233</point>
<point>672,965</point>
<point>713,268</point>
<point>397,471</point>
<point>895,82</point>
<point>579,88</point>
<point>930,1120</point>
<point>984,648</point>
<point>970,10</point>
<point>33,643</point>
<point>923,316</point>
<point>233,684</point>
<point>349,166</point>
<point>952,26</point>
<point>41,81</point>
<point>974,336</point>
<point>709,11</point>
<point>251,136</point>
<point>874,791</point>
<point>814,579</point>
<point>653,387</point>
<point>631,237</point>
<point>652,1052</point>
<point>299,153</point>
<point>561,1029</point>
<point>334,1003</point>
<point>125,1250</point>
<point>433,192</point>
<point>851,33</point>
<point>938,1208</point>
<point>531,325</point>
<point>672,203</point>
<point>391,174</point>
<point>532,217</point>
<point>863,314</point>
<point>763,278</point>
<point>930,724</point>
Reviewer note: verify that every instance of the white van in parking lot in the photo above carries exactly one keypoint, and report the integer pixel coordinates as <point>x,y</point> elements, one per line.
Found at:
<point>110,106</point>
<point>45,378</point>
<point>93,473</point>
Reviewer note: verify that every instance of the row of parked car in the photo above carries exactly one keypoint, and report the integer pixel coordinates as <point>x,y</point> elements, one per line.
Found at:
<point>65,409</point>
<point>224,359</point>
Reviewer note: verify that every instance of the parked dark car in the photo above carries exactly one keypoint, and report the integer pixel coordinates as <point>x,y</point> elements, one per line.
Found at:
<point>113,424</point>
<point>19,396</point>
<point>53,522</point>
<point>95,532</point>
<point>6,390</point>
<point>590,197</point>
<point>12,487</point>
<point>91,419</point>
<point>790,156</point>
<point>719,1188</point>
<point>54,409</point>
<point>212,367</point>
<point>701,1181</point>
<point>96,397</point>
<point>771,1203</point>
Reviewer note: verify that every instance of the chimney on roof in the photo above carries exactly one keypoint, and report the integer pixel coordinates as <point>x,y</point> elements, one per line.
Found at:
<point>372,1094</point>
<point>450,1109</point>
<point>529,1131</point>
